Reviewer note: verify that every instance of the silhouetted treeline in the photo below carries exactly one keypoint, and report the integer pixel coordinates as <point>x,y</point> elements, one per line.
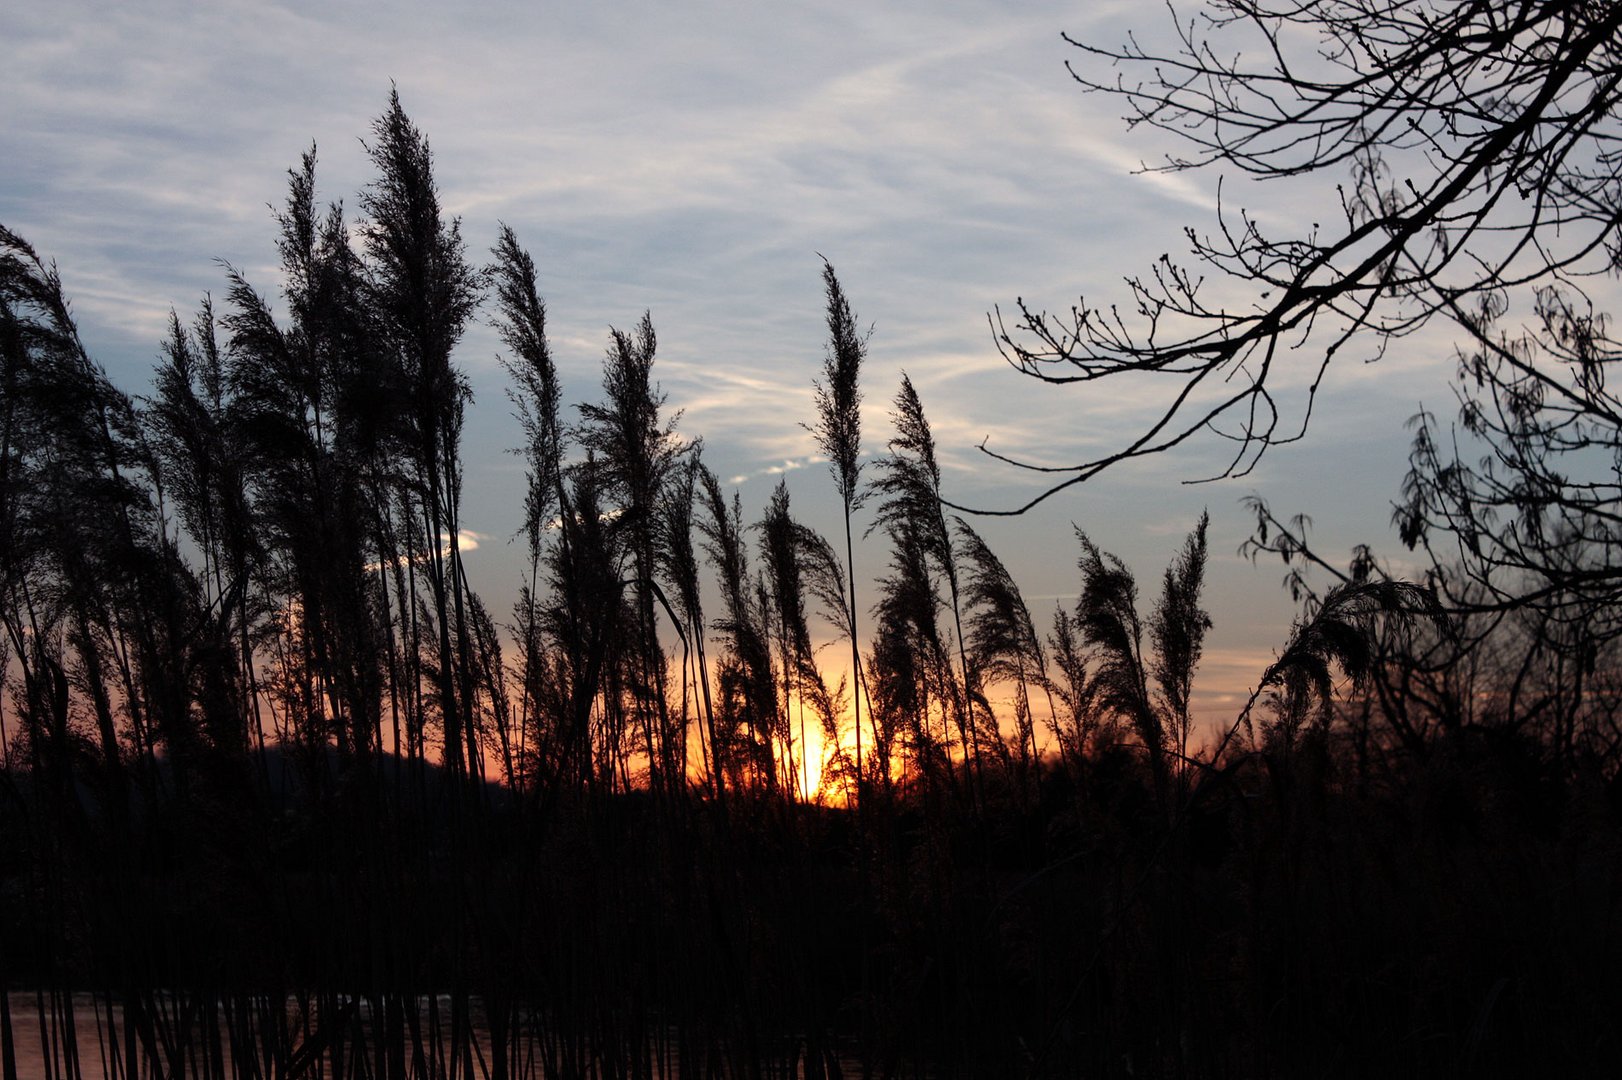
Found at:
<point>285,798</point>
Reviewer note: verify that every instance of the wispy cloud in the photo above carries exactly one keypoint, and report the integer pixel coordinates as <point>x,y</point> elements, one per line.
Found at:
<point>466,540</point>
<point>778,469</point>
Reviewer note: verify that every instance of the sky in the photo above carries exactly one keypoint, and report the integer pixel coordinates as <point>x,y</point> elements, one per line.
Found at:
<point>698,161</point>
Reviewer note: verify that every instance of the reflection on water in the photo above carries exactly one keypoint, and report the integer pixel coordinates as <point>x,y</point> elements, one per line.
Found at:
<point>84,1036</point>
<point>185,1036</point>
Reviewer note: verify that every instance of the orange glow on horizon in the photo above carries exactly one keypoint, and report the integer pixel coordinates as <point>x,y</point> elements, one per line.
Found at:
<point>804,760</point>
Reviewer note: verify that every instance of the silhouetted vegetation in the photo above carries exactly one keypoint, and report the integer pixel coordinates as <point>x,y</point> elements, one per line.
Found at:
<point>281,797</point>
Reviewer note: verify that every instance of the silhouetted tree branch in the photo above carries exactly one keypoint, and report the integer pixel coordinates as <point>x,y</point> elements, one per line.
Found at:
<point>1482,144</point>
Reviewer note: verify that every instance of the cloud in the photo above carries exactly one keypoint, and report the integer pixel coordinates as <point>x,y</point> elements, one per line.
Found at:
<point>787,465</point>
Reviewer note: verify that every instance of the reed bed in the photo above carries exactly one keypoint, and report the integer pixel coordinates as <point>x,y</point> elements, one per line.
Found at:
<point>281,797</point>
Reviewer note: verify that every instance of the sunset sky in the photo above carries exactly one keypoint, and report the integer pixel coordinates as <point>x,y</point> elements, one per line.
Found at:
<point>694,160</point>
